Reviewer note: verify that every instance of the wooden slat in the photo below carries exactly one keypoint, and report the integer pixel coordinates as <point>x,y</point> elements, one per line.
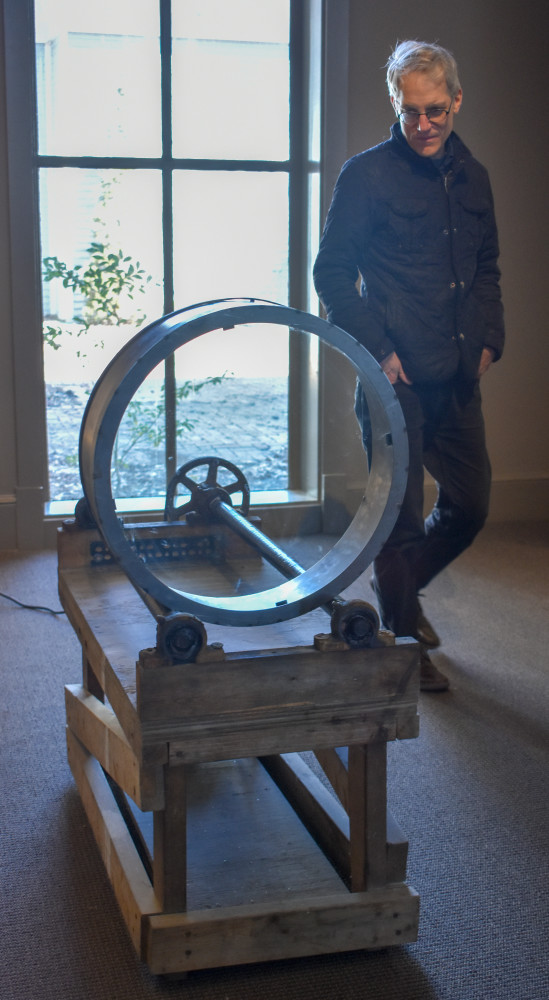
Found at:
<point>170,842</point>
<point>336,773</point>
<point>279,700</point>
<point>98,729</point>
<point>127,875</point>
<point>323,816</point>
<point>310,926</point>
<point>297,679</point>
<point>368,815</point>
<point>109,639</point>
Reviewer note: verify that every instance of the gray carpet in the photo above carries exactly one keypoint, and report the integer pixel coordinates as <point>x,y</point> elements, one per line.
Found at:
<point>471,793</point>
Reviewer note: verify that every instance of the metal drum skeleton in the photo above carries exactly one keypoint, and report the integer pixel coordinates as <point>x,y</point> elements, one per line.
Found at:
<point>354,550</point>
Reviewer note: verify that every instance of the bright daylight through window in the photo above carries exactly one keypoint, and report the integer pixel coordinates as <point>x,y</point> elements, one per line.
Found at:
<point>178,163</point>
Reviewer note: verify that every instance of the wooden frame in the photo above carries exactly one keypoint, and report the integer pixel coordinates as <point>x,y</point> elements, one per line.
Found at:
<point>203,781</point>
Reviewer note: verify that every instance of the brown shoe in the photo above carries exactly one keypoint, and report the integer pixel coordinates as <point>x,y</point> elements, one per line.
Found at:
<point>430,678</point>
<point>425,632</point>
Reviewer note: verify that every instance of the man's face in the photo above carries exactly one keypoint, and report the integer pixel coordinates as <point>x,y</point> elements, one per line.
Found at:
<point>419,92</point>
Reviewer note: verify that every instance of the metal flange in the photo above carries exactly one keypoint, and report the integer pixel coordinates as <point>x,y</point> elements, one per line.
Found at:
<point>350,555</point>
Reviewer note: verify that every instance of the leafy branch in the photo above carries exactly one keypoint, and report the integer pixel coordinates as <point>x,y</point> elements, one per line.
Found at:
<point>104,284</point>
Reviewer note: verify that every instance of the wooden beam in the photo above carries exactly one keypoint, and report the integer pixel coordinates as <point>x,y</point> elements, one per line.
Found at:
<point>98,729</point>
<point>368,815</point>
<point>323,816</point>
<point>255,933</point>
<point>125,870</point>
<point>336,773</point>
<point>170,842</point>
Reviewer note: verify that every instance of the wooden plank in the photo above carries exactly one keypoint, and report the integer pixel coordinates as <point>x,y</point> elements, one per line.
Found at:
<point>211,741</point>
<point>323,816</point>
<point>98,729</point>
<point>368,815</point>
<point>336,773</point>
<point>326,819</point>
<point>170,842</point>
<point>333,763</point>
<point>310,926</point>
<point>132,888</point>
<point>279,700</point>
<point>296,679</point>
<point>110,648</point>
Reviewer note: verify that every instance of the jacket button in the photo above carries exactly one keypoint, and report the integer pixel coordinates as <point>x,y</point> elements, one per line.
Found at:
<point>462,336</point>
<point>452,284</point>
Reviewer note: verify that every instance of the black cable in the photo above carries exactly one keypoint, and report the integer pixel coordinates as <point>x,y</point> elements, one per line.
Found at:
<point>32,607</point>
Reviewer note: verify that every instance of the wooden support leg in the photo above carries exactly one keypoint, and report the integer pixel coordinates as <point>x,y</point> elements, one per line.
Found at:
<point>368,815</point>
<point>170,842</point>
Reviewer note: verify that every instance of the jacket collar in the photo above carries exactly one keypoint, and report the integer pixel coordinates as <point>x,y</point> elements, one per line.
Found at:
<point>455,152</point>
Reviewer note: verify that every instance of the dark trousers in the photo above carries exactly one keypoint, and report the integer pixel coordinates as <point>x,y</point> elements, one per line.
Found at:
<point>446,436</point>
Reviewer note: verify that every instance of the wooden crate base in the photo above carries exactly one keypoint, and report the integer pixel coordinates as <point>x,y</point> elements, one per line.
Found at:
<point>222,844</point>
<point>252,898</point>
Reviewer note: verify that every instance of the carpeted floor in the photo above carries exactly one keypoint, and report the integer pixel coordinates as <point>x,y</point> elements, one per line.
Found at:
<point>471,793</point>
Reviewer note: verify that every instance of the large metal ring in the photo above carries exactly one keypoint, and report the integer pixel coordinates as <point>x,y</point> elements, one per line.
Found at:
<point>349,556</point>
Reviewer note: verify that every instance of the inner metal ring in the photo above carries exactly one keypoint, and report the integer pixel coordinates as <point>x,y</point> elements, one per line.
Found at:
<point>349,556</point>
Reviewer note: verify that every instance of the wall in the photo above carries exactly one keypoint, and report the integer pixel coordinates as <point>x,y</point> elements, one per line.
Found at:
<point>8,474</point>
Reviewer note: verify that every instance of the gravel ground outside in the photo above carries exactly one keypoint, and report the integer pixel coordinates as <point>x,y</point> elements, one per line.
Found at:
<point>242,420</point>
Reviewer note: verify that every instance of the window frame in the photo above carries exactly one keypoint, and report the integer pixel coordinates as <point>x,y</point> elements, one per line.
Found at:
<point>304,435</point>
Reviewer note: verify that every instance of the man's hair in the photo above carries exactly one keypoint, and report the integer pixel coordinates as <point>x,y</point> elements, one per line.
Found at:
<point>413,56</point>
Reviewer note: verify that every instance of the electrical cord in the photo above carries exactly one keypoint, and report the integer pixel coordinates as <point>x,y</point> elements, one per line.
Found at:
<point>32,607</point>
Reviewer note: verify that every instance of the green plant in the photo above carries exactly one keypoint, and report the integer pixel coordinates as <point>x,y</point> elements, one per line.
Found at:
<point>105,284</point>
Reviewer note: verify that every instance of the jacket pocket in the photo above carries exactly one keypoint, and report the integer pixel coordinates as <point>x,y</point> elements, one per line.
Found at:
<point>472,221</point>
<point>407,224</point>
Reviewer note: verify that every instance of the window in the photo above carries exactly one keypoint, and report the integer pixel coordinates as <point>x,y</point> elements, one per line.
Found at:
<point>177,161</point>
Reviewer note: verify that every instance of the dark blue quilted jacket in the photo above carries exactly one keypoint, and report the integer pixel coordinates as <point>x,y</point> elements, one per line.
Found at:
<point>423,238</point>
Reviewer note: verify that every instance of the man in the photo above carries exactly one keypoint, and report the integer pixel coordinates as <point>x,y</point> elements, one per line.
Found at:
<point>413,217</point>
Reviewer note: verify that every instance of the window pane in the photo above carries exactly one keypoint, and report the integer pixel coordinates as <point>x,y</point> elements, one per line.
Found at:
<point>231,75</point>
<point>232,403</point>
<point>230,236</point>
<point>98,78</point>
<point>108,258</point>
<point>231,241</point>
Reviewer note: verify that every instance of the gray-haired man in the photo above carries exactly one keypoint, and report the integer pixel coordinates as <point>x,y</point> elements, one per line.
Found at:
<point>414,218</point>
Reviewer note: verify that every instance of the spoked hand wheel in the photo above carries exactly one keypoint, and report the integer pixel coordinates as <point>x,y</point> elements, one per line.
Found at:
<point>203,490</point>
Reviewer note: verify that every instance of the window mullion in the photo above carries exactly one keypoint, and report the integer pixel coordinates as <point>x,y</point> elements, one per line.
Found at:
<point>170,394</point>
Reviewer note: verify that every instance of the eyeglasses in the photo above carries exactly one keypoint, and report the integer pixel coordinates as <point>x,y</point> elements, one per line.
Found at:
<point>437,116</point>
